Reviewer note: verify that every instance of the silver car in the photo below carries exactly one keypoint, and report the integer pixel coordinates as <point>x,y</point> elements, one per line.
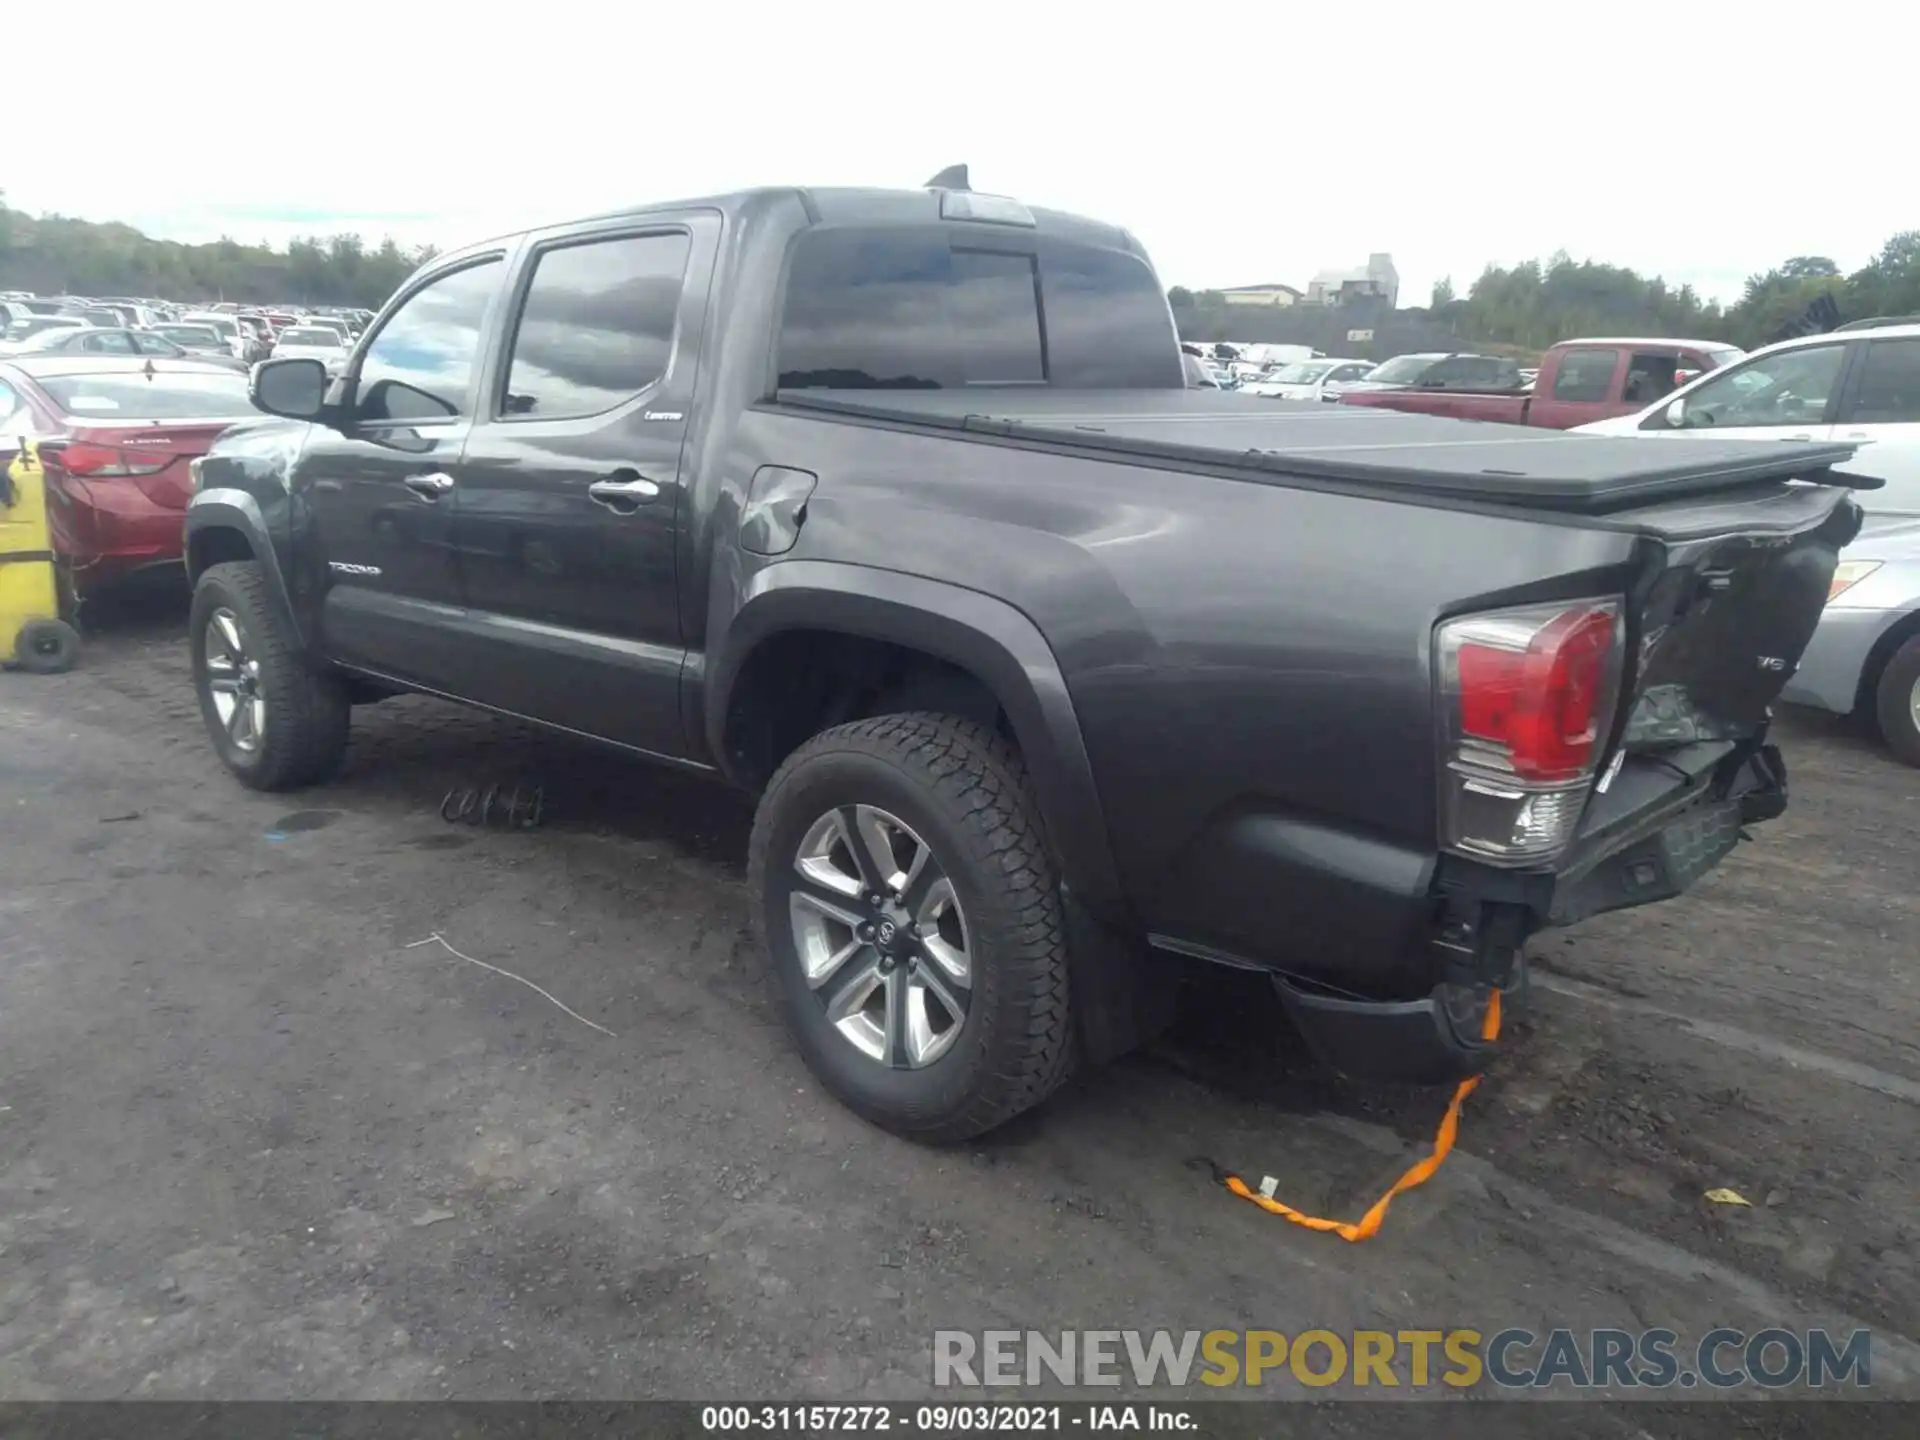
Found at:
<point>1866,653</point>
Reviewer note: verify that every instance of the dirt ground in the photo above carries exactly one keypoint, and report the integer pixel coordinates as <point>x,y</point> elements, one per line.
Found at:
<point>254,1142</point>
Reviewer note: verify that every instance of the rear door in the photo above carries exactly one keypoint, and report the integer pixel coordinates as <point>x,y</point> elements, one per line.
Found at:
<point>1881,407</point>
<point>377,548</point>
<point>570,498</point>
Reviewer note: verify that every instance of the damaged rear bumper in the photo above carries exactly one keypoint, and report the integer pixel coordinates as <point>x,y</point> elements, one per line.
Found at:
<point>1628,854</point>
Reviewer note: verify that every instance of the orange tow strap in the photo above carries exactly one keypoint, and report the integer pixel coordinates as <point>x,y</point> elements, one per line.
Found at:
<point>1422,1172</point>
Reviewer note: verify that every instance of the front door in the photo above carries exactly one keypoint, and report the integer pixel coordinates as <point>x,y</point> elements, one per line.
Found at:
<point>1789,394</point>
<point>569,502</point>
<point>375,562</point>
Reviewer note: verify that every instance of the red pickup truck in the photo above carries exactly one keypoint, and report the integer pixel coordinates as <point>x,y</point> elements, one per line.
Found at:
<point>1579,381</point>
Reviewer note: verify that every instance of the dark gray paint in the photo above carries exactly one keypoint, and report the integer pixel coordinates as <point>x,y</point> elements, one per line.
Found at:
<point>1218,665</point>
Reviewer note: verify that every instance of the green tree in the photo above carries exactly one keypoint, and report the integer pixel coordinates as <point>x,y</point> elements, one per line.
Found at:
<point>57,255</point>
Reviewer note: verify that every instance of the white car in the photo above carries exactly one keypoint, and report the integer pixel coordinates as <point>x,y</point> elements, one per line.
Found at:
<point>1857,384</point>
<point>319,342</point>
<point>1310,379</point>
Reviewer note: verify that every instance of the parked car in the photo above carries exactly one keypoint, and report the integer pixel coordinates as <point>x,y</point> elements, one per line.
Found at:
<point>24,328</point>
<point>1860,385</point>
<point>1082,699</point>
<point>329,322</point>
<point>116,436</point>
<point>200,341</point>
<point>96,340</point>
<point>1309,380</point>
<point>322,342</point>
<point>236,339</point>
<point>1578,381</point>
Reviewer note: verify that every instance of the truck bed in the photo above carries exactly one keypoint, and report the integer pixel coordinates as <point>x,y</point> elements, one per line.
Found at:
<point>1388,453</point>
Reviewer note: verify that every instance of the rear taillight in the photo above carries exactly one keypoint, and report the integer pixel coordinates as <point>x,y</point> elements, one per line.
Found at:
<point>1526,698</point>
<point>88,460</point>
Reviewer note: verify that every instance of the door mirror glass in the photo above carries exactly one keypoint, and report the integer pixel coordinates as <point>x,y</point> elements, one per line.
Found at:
<point>295,387</point>
<point>1677,414</point>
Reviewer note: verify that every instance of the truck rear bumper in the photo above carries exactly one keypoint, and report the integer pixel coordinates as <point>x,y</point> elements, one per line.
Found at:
<point>1436,1039</point>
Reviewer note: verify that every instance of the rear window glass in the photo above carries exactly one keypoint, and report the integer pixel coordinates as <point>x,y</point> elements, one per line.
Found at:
<point>134,395</point>
<point>313,335</point>
<point>189,334</point>
<point>933,308</point>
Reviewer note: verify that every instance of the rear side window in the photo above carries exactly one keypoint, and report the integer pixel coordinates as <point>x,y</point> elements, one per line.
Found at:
<point>929,308</point>
<point>1585,375</point>
<point>597,325</point>
<point>1888,392</point>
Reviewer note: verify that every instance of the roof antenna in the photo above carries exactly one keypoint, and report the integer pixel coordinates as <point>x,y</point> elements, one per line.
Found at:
<point>954,177</point>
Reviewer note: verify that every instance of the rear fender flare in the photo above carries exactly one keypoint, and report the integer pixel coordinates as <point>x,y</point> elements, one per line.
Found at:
<point>985,636</point>
<point>238,511</point>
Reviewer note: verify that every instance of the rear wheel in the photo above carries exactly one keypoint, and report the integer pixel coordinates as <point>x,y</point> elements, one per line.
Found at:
<point>1898,697</point>
<point>913,921</point>
<point>275,723</point>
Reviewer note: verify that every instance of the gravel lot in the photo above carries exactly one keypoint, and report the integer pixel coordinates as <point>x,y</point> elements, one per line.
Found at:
<point>253,1145</point>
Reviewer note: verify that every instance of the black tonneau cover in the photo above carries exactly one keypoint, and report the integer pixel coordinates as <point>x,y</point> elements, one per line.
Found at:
<point>1467,460</point>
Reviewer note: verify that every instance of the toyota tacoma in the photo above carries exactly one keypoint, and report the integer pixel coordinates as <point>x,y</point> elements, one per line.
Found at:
<point>893,509</point>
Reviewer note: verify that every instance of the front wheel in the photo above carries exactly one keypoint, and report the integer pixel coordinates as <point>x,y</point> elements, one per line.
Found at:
<point>274,723</point>
<point>1898,702</point>
<point>913,920</point>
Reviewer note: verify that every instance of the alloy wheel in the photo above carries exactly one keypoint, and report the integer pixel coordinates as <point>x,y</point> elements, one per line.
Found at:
<point>233,680</point>
<point>881,937</point>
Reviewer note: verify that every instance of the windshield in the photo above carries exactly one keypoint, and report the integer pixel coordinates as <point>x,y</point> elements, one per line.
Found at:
<point>189,334</point>
<point>1405,368</point>
<point>1306,372</point>
<point>136,395</point>
<point>311,335</point>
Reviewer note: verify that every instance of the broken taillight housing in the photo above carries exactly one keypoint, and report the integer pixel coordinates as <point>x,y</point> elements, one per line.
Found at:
<point>1526,698</point>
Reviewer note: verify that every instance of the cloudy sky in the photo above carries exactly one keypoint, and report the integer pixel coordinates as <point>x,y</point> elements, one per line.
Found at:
<point>1243,143</point>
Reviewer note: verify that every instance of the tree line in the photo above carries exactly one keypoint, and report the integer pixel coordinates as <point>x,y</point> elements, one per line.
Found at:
<point>58,255</point>
<point>1525,307</point>
<point>1529,306</point>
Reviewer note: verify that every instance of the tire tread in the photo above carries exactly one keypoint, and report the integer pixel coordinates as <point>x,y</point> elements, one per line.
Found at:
<point>982,780</point>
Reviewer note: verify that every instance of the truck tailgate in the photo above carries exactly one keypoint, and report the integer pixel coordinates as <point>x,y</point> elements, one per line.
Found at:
<point>1728,595</point>
<point>1422,459</point>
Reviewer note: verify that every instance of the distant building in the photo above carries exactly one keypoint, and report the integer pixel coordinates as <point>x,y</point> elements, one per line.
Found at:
<point>1261,295</point>
<point>1337,287</point>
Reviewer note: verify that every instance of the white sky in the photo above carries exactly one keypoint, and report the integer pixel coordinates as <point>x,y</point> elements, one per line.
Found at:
<point>1243,142</point>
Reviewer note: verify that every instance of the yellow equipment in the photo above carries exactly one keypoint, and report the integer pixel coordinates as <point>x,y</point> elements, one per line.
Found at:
<point>33,635</point>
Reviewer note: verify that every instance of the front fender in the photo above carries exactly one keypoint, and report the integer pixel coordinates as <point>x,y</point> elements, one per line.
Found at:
<point>987,637</point>
<point>235,510</point>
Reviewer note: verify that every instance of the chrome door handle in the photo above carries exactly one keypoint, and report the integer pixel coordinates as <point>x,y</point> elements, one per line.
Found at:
<point>431,486</point>
<point>636,491</point>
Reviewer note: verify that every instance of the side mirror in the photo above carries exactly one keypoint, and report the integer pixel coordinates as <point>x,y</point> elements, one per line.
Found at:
<point>295,388</point>
<point>1677,414</point>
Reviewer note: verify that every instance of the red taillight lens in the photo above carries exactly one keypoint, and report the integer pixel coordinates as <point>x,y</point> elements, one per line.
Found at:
<point>1526,698</point>
<point>1540,703</point>
<point>87,460</point>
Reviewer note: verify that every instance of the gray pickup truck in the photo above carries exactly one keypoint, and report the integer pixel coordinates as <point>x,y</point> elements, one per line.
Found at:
<point>892,508</point>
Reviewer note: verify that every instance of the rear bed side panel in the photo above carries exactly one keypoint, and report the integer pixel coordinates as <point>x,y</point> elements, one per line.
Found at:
<point>1249,663</point>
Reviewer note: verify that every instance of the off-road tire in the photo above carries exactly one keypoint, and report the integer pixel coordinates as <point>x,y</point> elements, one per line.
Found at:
<point>965,789</point>
<point>46,647</point>
<point>308,713</point>
<point>1894,697</point>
